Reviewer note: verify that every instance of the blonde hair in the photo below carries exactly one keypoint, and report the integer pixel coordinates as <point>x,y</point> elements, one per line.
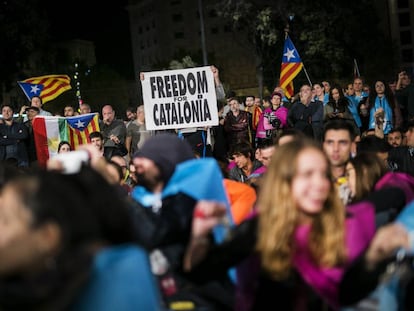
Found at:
<point>279,217</point>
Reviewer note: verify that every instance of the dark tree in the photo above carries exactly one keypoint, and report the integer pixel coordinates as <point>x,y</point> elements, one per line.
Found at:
<point>23,37</point>
<point>328,35</point>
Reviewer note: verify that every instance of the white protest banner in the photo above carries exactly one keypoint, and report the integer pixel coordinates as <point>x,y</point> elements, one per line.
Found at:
<point>183,98</point>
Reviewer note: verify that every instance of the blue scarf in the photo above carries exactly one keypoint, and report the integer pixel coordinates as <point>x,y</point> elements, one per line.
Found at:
<point>353,108</point>
<point>381,103</point>
<point>200,179</point>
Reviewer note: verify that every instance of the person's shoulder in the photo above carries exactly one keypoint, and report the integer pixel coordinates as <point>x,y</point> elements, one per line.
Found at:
<point>296,103</point>
<point>399,150</point>
<point>316,102</point>
<point>119,122</point>
<point>133,125</point>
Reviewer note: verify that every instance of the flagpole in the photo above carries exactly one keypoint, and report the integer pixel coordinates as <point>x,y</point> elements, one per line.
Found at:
<point>303,64</point>
<point>356,67</point>
<point>306,73</point>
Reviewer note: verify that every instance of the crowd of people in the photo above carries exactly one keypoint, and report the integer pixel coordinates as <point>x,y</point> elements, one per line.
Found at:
<point>302,203</point>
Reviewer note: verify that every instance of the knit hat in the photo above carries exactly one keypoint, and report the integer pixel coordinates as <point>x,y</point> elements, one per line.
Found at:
<point>276,94</point>
<point>166,150</point>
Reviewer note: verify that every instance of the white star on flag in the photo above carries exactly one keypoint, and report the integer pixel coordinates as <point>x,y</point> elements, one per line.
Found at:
<point>34,89</point>
<point>80,124</point>
<point>289,54</point>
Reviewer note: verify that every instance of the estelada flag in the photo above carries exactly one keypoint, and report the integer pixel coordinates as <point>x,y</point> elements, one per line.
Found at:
<point>46,87</point>
<point>291,66</point>
<point>50,131</point>
<point>80,127</point>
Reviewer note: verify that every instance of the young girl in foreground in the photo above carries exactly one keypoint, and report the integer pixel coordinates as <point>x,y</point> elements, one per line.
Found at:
<point>302,238</point>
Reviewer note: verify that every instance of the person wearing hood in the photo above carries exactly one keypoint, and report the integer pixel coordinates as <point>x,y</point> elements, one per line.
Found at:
<point>163,222</point>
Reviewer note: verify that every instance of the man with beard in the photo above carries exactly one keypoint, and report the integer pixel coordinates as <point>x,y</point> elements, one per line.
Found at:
<point>96,139</point>
<point>163,221</point>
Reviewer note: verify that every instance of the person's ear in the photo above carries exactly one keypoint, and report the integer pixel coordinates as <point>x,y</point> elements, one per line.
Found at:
<point>49,237</point>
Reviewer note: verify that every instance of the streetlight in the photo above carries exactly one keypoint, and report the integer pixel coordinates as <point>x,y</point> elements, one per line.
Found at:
<point>291,16</point>
<point>203,36</point>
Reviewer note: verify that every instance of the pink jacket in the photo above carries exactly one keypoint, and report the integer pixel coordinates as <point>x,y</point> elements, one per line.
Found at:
<point>281,113</point>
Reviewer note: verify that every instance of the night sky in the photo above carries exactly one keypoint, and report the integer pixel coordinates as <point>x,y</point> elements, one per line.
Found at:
<point>105,23</point>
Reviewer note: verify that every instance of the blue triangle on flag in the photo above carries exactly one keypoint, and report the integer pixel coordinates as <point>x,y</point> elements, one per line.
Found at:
<point>80,122</point>
<point>31,89</point>
<point>290,54</point>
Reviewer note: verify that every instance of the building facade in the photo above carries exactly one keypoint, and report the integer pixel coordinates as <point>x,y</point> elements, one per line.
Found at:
<point>401,23</point>
<point>161,29</point>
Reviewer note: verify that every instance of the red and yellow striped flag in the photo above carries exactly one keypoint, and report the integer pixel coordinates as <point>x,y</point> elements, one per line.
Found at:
<point>80,127</point>
<point>46,87</point>
<point>291,66</point>
<point>50,131</point>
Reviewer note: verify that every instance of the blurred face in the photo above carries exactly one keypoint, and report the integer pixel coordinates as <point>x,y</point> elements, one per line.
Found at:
<point>311,185</point>
<point>84,109</point>
<point>234,106</point>
<point>68,111</point>
<point>266,155</point>
<point>31,114</point>
<point>405,80</point>
<point>318,89</point>
<point>357,85</point>
<point>241,161</point>
<point>108,114</point>
<point>249,101</point>
<point>326,86</point>
<point>258,154</point>
<point>337,145</point>
<point>15,220</point>
<point>35,101</point>
<point>351,178</point>
<point>21,246</point>
<point>394,139</point>
<point>97,142</point>
<point>379,88</point>
<point>335,94</point>
<point>7,113</point>
<point>140,115</point>
<point>276,100</point>
<point>64,148</point>
<point>257,101</point>
<point>147,172</point>
<point>305,94</point>
<point>410,137</point>
<point>131,115</point>
<point>350,90</point>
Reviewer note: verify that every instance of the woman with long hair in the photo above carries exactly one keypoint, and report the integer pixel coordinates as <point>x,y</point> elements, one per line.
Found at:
<point>301,239</point>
